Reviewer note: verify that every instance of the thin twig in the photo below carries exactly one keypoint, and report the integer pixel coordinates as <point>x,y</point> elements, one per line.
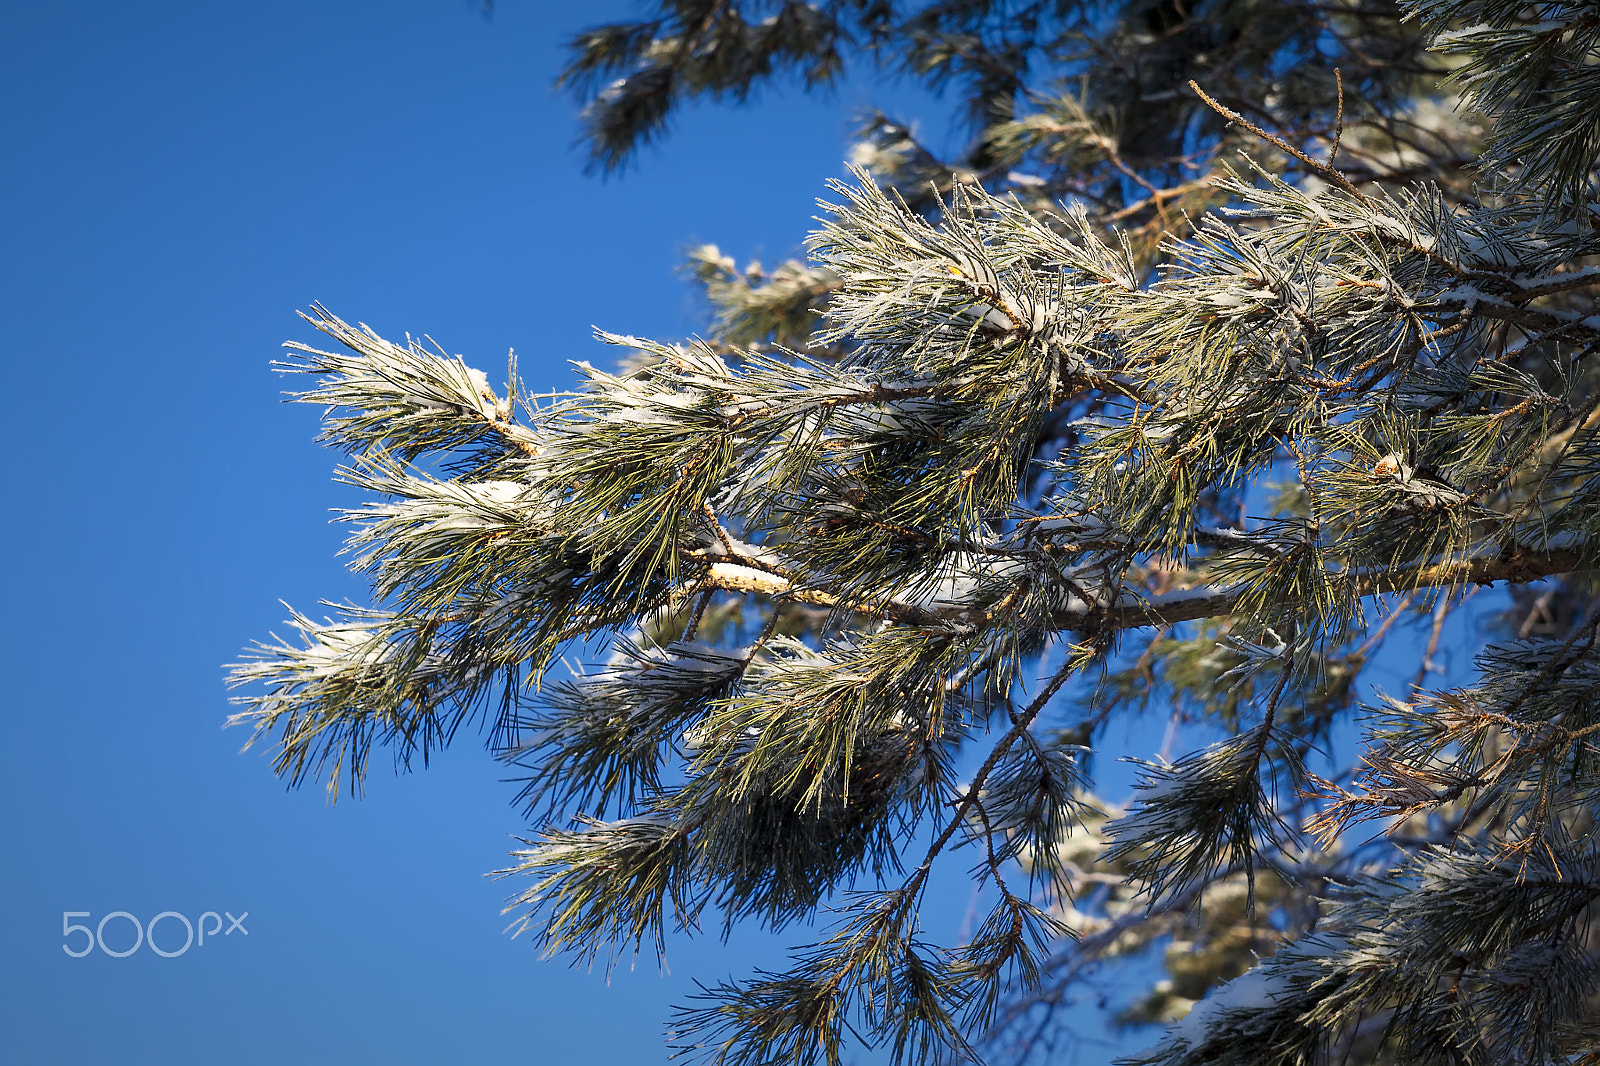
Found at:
<point>918,878</point>
<point>1338,122</point>
<point>1321,168</point>
<point>1441,611</point>
<point>693,627</point>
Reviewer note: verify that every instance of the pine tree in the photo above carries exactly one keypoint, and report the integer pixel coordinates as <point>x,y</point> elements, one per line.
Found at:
<point>1245,338</point>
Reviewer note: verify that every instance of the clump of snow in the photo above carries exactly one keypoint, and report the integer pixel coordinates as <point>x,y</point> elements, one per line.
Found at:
<point>1254,990</point>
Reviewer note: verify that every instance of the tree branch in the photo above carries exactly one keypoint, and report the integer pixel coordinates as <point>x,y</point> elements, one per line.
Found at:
<point>1518,566</point>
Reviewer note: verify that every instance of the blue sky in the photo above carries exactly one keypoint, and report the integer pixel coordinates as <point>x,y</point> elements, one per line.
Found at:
<point>179,178</point>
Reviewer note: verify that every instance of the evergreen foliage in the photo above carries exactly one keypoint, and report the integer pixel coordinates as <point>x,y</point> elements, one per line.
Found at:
<point>1247,338</point>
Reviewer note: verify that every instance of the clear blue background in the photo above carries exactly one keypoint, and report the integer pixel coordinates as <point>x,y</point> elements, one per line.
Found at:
<point>178,178</point>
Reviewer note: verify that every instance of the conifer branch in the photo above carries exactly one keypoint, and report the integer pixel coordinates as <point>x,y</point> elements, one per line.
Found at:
<point>1517,566</point>
<point>821,550</point>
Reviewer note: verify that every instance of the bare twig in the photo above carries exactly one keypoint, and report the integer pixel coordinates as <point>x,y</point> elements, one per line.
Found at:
<point>1338,122</point>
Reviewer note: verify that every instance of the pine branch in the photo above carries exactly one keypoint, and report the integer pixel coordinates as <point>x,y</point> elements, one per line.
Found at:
<point>1518,566</point>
